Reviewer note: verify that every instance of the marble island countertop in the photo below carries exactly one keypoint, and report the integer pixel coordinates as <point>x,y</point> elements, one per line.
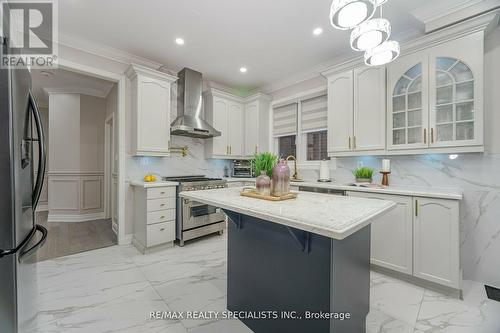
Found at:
<point>430,192</point>
<point>328,215</point>
<point>141,183</point>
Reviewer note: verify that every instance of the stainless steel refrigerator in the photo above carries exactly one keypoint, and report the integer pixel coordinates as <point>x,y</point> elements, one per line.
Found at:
<point>22,169</point>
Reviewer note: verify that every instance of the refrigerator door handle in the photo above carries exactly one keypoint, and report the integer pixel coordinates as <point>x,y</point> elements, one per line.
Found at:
<point>42,153</point>
<point>25,241</point>
<point>27,253</point>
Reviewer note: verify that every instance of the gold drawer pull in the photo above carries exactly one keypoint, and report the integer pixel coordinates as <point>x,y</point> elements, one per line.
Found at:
<point>162,229</point>
<point>162,217</point>
<point>162,205</point>
<point>162,192</point>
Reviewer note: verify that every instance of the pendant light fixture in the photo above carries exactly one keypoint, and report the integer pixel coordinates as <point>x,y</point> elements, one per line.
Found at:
<point>382,54</point>
<point>347,14</point>
<point>370,34</point>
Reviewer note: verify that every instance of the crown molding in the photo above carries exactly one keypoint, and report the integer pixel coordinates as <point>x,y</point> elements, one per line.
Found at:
<point>101,93</point>
<point>258,96</point>
<point>444,13</point>
<point>107,52</point>
<point>135,69</point>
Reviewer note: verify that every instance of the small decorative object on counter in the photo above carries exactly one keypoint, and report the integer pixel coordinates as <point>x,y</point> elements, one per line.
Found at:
<point>281,179</point>
<point>226,171</point>
<point>386,165</point>
<point>385,178</point>
<point>149,178</point>
<point>263,183</point>
<point>363,175</point>
<point>324,172</point>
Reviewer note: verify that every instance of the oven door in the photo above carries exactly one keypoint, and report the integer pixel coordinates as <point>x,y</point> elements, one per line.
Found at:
<point>196,214</point>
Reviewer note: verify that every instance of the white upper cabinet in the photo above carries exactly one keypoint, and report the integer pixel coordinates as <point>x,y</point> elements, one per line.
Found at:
<point>150,111</point>
<point>240,120</point>
<point>356,111</point>
<point>252,128</point>
<point>369,108</point>
<point>456,92</point>
<point>235,129</point>
<point>407,96</point>
<point>340,113</point>
<point>436,98</point>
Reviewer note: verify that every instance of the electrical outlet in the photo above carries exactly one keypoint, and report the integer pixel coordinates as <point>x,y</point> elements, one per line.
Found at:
<point>360,164</point>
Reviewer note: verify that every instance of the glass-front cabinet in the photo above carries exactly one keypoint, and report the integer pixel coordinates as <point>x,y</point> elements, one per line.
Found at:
<point>436,97</point>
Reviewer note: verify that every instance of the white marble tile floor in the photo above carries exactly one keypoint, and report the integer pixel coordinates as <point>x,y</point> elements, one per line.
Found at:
<point>114,290</point>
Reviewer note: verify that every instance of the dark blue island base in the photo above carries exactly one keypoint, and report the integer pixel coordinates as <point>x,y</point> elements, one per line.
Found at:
<point>272,267</point>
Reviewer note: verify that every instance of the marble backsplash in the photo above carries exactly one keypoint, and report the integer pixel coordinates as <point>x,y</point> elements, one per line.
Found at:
<point>177,165</point>
<point>476,174</point>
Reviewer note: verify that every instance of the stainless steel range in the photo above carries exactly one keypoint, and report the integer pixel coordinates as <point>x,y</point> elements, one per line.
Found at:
<point>195,219</point>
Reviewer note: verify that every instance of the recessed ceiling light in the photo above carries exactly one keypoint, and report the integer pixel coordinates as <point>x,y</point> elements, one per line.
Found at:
<point>318,31</point>
<point>179,41</point>
<point>243,69</point>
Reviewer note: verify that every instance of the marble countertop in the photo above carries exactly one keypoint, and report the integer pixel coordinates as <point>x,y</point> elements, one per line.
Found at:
<point>429,192</point>
<point>328,215</point>
<point>152,184</point>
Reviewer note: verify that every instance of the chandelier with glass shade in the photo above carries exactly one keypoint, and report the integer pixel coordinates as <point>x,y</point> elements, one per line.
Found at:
<point>370,35</point>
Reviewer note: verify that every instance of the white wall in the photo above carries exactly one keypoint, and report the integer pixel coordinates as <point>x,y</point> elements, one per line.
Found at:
<point>92,116</point>
<point>476,174</point>
<point>64,128</point>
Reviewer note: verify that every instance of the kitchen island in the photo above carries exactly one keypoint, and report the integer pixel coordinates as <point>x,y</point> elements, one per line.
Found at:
<point>300,265</point>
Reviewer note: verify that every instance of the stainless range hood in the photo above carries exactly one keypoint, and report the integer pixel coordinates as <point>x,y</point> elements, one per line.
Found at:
<point>189,102</point>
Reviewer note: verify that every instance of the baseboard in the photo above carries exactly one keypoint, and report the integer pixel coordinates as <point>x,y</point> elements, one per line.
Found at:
<point>75,218</point>
<point>128,239</point>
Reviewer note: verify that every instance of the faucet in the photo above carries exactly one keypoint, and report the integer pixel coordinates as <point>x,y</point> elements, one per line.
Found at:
<point>295,175</point>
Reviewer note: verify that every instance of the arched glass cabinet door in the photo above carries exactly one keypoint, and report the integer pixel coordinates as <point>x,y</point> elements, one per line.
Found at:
<point>407,108</point>
<point>454,101</point>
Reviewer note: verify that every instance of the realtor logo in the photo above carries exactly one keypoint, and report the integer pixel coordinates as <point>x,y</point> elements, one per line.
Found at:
<point>29,34</point>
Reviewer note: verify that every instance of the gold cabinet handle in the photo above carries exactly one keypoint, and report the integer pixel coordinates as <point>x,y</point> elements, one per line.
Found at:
<point>256,149</point>
<point>227,150</point>
<point>162,205</point>
<point>416,207</point>
<point>162,229</point>
<point>432,135</point>
<point>425,135</point>
<point>230,150</point>
<point>349,142</point>
<point>162,192</point>
<point>354,143</point>
<point>162,217</point>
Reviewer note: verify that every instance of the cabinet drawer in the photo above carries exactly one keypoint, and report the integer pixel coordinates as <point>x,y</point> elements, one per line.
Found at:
<point>160,233</point>
<point>160,204</point>
<point>161,192</point>
<point>161,216</point>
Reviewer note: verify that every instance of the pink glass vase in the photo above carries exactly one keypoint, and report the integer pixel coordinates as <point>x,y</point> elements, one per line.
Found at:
<point>263,183</point>
<point>281,179</point>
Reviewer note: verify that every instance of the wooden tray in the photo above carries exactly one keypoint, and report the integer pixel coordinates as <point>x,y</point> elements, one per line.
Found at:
<point>252,193</point>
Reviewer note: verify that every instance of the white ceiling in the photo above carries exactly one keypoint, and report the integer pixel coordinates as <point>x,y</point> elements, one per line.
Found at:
<point>65,81</point>
<point>272,38</point>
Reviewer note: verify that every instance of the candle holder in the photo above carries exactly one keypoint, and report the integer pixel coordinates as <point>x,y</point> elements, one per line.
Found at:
<point>385,178</point>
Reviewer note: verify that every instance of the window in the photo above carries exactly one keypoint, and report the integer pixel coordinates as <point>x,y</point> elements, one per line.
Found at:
<point>300,128</point>
<point>285,129</point>
<point>286,146</point>
<point>316,146</point>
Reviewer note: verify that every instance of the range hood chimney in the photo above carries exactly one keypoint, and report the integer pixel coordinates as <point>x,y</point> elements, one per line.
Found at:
<point>189,101</point>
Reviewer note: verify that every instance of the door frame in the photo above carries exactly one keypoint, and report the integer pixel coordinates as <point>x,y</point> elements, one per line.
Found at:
<point>109,154</point>
<point>119,124</point>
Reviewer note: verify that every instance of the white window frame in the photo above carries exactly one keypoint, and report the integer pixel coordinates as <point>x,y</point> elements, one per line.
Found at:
<point>300,138</point>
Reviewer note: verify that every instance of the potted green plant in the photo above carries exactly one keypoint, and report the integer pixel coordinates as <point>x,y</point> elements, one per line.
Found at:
<point>363,174</point>
<point>264,161</point>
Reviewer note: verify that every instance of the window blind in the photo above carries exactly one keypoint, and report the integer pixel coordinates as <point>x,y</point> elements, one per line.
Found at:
<point>285,120</point>
<point>314,112</point>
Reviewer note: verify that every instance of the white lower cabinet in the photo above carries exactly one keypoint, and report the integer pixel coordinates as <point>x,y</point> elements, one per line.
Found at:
<point>436,241</point>
<point>154,217</point>
<point>420,237</point>
<point>392,234</point>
